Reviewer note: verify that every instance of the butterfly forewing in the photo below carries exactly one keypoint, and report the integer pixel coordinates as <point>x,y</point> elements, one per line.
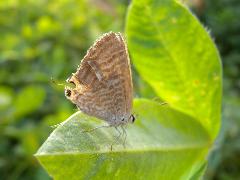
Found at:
<point>103,81</point>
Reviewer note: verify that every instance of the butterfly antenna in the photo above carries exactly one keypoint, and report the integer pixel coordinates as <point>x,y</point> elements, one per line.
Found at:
<point>56,83</point>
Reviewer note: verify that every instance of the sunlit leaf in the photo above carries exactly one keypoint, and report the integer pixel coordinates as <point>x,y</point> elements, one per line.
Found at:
<point>176,56</point>
<point>161,144</point>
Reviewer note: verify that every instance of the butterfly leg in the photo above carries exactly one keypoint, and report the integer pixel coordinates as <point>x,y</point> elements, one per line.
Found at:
<point>119,132</point>
<point>117,138</point>
<point>124,136</point>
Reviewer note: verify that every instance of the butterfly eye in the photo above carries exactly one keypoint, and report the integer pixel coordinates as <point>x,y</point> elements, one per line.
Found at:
<point>70,82</point>
<point>68,92</point>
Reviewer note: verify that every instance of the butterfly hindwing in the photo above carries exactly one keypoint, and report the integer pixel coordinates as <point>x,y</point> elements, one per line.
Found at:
<point>103,80</point>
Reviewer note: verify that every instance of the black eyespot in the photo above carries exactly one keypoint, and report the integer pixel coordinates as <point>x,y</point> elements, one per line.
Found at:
<point>132,118</point>
<point>123,119</point>
<point>68,92</point>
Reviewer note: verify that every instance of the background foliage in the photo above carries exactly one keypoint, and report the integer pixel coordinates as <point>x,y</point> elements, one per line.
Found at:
<point>44,39</point>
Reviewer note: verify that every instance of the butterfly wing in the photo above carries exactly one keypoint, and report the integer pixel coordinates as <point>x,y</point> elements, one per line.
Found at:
<point>103,81</point>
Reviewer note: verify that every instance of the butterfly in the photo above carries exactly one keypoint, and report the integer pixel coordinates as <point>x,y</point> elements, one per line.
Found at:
<point>103,82</point>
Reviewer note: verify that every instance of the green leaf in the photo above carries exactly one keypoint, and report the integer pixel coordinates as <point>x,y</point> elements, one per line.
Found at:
<point>6,95</point>
<point>162,144</point>
<point>28,100</point>
<point>176,56</point>
<point>199,171</point>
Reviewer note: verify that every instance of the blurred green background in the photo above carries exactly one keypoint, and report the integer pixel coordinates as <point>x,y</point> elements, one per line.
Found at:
<point>41,39</point>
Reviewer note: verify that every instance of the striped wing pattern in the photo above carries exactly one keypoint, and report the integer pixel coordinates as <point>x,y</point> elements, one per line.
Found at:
<point>103,81</point>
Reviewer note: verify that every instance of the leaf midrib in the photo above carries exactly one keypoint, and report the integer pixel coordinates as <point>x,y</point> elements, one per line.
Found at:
<point>150,150</point>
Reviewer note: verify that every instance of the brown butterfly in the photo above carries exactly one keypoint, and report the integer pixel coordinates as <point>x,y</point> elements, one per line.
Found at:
<point>103,81</point>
